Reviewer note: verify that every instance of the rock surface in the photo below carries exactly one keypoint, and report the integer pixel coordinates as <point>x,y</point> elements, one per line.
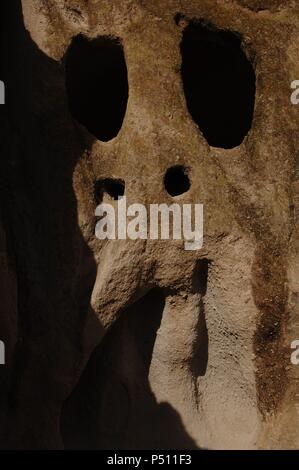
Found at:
<point>142,344</point>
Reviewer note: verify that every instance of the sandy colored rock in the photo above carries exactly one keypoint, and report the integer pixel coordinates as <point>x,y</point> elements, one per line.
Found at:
<point>141,344</point>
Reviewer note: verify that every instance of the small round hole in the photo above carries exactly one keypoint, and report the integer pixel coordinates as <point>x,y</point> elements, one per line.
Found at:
<point>176,180</point>
<point>113,187</point>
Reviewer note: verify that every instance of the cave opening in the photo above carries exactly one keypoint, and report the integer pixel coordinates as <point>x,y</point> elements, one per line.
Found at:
<point>97,85</point>
<point>176,180</point>
<point>219,84</point>
<point>115,188</point>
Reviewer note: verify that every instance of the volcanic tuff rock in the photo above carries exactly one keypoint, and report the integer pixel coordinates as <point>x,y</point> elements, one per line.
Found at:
<point>142,344</point>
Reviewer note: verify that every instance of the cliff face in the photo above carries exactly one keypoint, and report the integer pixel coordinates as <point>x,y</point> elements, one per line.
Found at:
<point>141,343</point>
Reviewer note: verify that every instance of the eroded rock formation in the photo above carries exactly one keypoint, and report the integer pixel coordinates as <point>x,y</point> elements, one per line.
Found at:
<point>142,344</point>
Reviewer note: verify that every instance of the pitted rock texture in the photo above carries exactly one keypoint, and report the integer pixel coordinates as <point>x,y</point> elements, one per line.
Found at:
<point>142,344</point>
<point>268,5</point>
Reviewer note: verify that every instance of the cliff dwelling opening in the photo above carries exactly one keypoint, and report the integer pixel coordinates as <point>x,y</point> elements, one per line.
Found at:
<point>97,85</point>
<point>176,180</point>
<point>219,84</point>
<point>115,188</point>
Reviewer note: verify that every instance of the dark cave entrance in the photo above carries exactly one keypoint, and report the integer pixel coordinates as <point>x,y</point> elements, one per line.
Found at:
<point>97,85</point>
<point>176,180</point>
<point>219,84</point>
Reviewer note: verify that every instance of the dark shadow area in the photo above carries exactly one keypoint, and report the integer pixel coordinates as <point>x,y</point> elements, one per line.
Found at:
<point>115,188</point>
<point>176,180</point>
<point>113,406</point>
<point>2,84</point>
<point>55,268</point>
<point>97,85</point>
<point>40,152</point>
<point>219,84</point>
<point>200,356</point>
<point>201,276</point>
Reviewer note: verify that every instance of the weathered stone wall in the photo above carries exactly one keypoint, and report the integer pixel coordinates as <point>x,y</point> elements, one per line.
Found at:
<point>142,344</point>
